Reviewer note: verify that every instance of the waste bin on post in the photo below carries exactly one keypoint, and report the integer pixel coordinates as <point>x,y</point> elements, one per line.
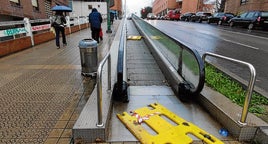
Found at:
<point>89,57</point>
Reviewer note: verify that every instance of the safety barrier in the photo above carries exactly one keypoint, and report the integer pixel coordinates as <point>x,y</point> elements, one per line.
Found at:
<point>183,66</point>
<point>34,31</point>
<point>99,86</point>
<point>120,71</point>
<point>250,84</point>
<point>14,28</point>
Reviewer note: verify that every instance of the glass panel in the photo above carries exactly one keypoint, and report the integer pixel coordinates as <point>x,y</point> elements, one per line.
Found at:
<point>190,68</point>
<point>250,15</point>
<point>264,14</point>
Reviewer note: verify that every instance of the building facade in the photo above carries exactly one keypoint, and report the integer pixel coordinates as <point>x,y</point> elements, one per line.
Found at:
<point>240,6</point>
<point>196,5</point>
<point>34,9</point>
<point>117,7</point>
<point>161,7</point>
<point>84,7</point>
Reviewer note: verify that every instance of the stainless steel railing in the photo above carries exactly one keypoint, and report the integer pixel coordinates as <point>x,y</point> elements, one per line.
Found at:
<point>99,86</point>
<point>250,84</point>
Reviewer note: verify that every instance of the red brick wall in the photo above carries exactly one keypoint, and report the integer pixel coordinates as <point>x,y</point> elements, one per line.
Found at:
<point>189,6</point>
<point>26,9</point>
<point>11,46</point>
<point>162,6</point>
<point>235,7</point>
<point>43,37</point>
<point>75,28</point>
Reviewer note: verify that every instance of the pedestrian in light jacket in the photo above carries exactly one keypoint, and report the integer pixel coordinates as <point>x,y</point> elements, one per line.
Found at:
<point>58,22</point>
<point>95,20</point>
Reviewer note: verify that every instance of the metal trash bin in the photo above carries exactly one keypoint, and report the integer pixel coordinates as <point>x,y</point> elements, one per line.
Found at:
<point>89,57</point>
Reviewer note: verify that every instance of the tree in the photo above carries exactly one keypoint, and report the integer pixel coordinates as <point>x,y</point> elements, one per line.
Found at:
<point>145,11</point>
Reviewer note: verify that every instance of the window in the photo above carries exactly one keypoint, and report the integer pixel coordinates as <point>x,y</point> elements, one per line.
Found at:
<point>250,15</point>
<point>243,15</point>
<point>15,2</point>
<point>35,5</point>
<point>243,2</point>
<point>89,6</point>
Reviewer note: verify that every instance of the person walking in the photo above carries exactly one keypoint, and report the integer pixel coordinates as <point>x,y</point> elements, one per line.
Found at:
<point>111,17</point>
<point>95,20</point>
<point>58,22</point>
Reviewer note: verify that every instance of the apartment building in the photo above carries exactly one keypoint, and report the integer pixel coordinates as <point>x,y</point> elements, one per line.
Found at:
<point>240,6</point>
<point>196,5</point>
<point>33,9</point>
<point>161,7</point>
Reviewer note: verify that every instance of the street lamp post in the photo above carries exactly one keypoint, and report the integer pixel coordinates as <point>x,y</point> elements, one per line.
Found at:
<point>108,18</point>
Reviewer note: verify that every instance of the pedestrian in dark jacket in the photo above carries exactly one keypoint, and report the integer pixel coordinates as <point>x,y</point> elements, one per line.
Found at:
<point>95,21</point>
<point>58,22</point>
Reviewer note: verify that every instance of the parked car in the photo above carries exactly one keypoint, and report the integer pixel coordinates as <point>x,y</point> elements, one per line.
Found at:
<point>251,19</point>
<point>129,17</point>
<point>220,18</point>
<point>151,16</point>
<point>173,15</point>
<point>186,16</point>
<point>200,16</point>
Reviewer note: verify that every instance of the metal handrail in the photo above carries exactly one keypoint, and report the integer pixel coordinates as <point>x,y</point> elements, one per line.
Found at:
<point>99,86</point>
<point>250,84</point>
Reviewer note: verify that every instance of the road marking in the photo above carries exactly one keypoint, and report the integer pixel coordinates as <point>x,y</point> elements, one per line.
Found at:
<point>244,34</point>
<point>238,43</point>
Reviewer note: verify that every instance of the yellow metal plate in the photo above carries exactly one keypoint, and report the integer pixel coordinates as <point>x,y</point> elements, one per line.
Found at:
<point>134,37</point>
<point>156,37</point>
<point>168,128</point>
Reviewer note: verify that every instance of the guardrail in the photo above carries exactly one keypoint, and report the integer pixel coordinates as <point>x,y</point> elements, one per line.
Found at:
<point>120,71</point>
<point>181,64</point>
<point>250,84</point>
<point>30,26</point>
<point>99,86</point>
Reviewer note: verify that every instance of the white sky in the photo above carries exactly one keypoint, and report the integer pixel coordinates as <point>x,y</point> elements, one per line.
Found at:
<point>134,6</point>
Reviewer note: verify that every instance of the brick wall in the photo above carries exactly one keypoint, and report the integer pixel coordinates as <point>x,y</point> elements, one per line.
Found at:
<point>26,9</point>
<point>43,37</point>
<point>189,6</point>
<point>12,46</point>
<point>160,7</point>
<point>236,7</point>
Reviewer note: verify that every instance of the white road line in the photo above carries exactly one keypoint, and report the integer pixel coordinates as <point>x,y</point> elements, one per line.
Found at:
<point>260,37</point>
<point>240,44</point>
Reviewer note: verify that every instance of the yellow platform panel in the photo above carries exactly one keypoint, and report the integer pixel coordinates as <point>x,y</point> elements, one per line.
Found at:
<point>164,127</point>
<point>134,37</point>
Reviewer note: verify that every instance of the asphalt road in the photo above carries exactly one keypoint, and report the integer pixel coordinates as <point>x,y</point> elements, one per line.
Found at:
<point>237,43</point>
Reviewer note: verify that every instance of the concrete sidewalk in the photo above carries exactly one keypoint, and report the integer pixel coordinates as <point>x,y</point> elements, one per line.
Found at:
<point>42,90</point>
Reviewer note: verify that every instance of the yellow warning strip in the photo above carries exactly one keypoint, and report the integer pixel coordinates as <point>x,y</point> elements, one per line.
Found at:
<point>134,37</point>
<point>166,132</point>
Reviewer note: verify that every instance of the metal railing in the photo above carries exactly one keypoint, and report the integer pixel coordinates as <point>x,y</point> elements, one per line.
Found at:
<point>99,86</point>
<point>99,78</point>
<point>179,62</point>
<point>250,84</point>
